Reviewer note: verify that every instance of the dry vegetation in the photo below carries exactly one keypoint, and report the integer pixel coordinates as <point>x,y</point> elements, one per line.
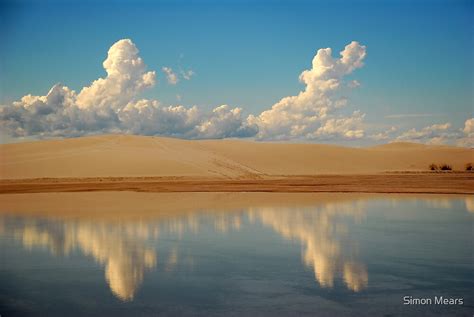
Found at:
<point>468,167</point>
<point>441,167</point>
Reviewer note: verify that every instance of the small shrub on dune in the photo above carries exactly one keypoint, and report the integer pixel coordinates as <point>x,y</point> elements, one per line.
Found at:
<point>433,167</point>
<point>445,167</point>
<point>469,167</point>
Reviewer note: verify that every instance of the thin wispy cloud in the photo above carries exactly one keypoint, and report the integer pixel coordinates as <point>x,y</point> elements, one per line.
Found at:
<point>187,74</point>
<point>412,115</point>
<point>171,77</point>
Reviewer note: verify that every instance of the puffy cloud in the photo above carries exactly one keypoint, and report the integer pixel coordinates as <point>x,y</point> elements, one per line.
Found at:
<point>126,78</point>
<point>433,134</point>
<point>468,134</point>
<point>150,118</point>
<point>384,135</point>
<point>55,114</point>
<point>440,134</point>
<point>348,127</point>
<point>469,127</point>
<point>110,104</point>
<point>225,123</point>
<point>311,113</point>
<point>171,77</point>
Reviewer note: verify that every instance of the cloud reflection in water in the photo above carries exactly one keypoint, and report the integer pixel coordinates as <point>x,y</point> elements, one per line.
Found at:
<point>324,235</point>
<point>127,248</point>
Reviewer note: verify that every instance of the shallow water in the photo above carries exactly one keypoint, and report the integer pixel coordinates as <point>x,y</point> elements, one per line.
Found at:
<point>340,256</point>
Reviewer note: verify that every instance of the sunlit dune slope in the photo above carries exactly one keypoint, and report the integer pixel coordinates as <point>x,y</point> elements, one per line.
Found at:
<point>124,155</point>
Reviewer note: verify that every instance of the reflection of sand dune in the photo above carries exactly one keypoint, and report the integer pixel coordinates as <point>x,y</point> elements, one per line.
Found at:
<point>324,234</point>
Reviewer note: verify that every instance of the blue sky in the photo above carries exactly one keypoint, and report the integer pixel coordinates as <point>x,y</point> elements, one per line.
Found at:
<point>249,54</point>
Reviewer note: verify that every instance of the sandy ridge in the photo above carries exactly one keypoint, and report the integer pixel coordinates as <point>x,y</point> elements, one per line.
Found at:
<point>140,156</point>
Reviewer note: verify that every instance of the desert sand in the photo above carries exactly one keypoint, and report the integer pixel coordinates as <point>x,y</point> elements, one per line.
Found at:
<point>140,163</point>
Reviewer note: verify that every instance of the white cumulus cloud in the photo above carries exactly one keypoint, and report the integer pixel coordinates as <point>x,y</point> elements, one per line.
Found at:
<point>113,104</point>
<point>346,127</point>
<point>110,104</point>
<point>313,112</point>
<point>384,135</point>
<point>426,132</point>
<point>441,133</point>
<point>126,78</point>
<point>433,134</point>
<point>467,138</point>
<point>226,122</point>
<point>469,127</point>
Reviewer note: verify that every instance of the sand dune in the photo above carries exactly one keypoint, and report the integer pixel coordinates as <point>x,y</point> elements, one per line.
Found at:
<point>139,156</point>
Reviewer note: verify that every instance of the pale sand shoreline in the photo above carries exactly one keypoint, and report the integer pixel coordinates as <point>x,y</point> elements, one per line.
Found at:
<point>425,183</point>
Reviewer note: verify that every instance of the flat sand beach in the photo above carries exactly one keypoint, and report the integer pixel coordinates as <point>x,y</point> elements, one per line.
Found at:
<point>429,183</point>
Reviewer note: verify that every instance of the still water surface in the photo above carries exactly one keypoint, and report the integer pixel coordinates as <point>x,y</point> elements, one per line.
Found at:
<point>331,256</point>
